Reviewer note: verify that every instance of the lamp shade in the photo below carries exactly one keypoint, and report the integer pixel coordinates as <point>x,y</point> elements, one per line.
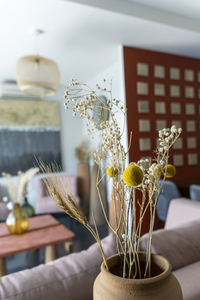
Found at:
<point>37,76</point>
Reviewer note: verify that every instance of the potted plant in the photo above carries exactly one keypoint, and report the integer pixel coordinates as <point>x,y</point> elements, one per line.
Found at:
<point>17,220</point>
<point>130,274</point>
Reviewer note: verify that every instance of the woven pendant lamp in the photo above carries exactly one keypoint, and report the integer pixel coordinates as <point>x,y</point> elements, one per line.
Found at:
<point>37,76</point>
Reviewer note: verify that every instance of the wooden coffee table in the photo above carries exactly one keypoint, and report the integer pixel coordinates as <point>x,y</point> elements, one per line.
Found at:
<point>43,231</point>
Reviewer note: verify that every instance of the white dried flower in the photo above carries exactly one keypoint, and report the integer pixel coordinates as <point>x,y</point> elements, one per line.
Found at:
<point>179,130</point>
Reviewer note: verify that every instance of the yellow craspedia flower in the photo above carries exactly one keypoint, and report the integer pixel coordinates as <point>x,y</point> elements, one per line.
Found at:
<point>133,175</point>
<point>112,172</point>
<point>169,171</point>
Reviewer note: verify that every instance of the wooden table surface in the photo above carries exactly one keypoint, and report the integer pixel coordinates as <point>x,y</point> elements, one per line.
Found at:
<point>42,231</point>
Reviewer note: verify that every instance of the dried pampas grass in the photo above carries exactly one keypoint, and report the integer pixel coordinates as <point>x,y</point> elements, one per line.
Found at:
<point>24,179</point>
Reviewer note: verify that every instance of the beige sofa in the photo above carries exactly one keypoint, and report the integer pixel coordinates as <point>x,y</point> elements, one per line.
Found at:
<point>179,242</point>
<point>67,278</point>
<point>72,277</point>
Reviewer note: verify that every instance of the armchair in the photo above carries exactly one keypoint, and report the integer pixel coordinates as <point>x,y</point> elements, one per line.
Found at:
<point>195,192</point>
<point>169,192</point>
<point>45,203</point>
<point>179,242</point>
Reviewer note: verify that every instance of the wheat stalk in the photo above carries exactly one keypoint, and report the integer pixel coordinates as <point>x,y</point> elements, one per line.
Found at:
<point>67,202</point>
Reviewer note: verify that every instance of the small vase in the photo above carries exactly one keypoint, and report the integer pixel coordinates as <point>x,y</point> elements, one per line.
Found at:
<point>30,212</point>
<point>17,220</point>
<point>163,285</point>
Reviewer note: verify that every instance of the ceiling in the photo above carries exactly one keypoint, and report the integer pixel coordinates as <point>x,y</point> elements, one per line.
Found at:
<point>190,9</point>
<point>83,36</point>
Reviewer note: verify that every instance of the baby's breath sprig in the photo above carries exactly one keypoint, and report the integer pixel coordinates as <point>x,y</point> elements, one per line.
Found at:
<point>85,102</point>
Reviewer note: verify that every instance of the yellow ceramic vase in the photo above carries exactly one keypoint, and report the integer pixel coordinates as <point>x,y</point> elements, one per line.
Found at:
<point>17,220</point>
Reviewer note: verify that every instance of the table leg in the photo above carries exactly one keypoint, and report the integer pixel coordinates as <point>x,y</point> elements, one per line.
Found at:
<point>68,247</point>
<point>50,253</point>
<point>3,270</point>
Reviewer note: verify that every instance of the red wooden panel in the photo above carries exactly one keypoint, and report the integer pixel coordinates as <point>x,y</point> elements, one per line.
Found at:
<point>132,57</point>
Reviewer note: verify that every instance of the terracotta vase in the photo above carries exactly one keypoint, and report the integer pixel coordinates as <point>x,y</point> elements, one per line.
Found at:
<point>115,210</point>
<point>163,285</point>
<point>83,174</point>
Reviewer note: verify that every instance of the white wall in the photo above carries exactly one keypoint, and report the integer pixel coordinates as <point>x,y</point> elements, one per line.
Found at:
<point>116,73</point>
<point>71,133</point>
<point>73,130</point>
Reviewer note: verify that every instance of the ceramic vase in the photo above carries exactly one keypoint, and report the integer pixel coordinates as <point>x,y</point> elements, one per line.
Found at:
<point>17,220</point>
<point>29,209</point>
<point>163,285</point>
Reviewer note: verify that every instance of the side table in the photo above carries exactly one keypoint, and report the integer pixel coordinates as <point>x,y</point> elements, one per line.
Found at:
<point>43,231</point>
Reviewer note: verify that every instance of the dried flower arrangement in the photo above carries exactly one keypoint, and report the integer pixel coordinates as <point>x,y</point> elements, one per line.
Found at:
<point>146,176</point>
<point>17,188</point>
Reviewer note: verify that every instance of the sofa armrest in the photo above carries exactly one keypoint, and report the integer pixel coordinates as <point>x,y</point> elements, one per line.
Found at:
<point>180,245</point>
<point>188,278</point>
<point>3,211</point>
<point>181,211</point>
<point>70,277</point>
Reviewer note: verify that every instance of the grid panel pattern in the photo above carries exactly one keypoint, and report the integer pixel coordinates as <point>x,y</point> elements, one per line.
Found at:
<point>163,90</point>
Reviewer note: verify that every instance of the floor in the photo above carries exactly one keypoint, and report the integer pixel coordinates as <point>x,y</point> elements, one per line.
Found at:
<point>31,259</point>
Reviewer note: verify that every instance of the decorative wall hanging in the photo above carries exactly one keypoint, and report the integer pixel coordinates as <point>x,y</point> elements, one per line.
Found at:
<point>28,129</point>
<point>101,112</point>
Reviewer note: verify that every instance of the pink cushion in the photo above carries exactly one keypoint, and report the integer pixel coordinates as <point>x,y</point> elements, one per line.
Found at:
<point>43,191</point>
<point>181,211</point>
<point>70,277</point>
<point>68,183</point>
<point>46,204</point>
